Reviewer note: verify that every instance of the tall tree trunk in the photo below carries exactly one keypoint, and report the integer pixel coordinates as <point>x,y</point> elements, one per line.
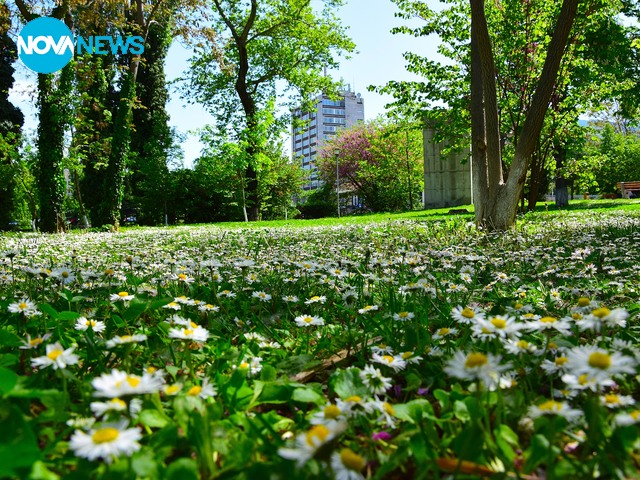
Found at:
<point>496,202</point>
<point>562,192</point>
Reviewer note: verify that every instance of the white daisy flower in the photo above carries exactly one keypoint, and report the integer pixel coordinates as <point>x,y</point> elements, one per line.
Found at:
<point>625,419</point>
<point>84,324</point>
<point>613,400</point>
<point>195,334</point>
<point>99,409</point>
<point>347,465</point>
<point>262,296</point>
<point>476,366</point>
<point>550,323</point>
<point>121,340</point>
<point>552,407</point>
<point>331,413</point>
<point>24,306</point>
<point>444,332</point>
<point>403,316</point>
<point>110,441</point>
<point>396,362</point>
<point>374,380</point>
<point>207,307</point>
<point>34,342</point>
<point>598,363</point>
<point>120,384</point>
<point>384,408</point>
<point>204,390</point>
<point>308,443</point>
<point>316,299</point>
<point>121,297</point>
<point>466,315</point>
<point>367,309</point>
<point>252,364</point>
<point>496,327</point>
<point>307,320</point>
<point>56,357</point>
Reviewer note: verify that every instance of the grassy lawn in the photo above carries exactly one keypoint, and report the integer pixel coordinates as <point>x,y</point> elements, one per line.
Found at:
<point>386,346</point>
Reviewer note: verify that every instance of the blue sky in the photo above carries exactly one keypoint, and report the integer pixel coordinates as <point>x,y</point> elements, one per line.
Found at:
<point>378,60</point>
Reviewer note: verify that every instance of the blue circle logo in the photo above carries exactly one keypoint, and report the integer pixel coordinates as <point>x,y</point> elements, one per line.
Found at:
<point>45,45</point>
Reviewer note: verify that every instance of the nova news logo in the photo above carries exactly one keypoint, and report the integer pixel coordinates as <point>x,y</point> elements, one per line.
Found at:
<point>46,45</point>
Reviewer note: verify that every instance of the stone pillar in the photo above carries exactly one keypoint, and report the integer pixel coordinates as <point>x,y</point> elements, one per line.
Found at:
<point>447,181</point>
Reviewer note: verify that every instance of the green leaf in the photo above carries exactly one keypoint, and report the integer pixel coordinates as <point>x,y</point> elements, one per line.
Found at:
<point>468,443</point>
<point>160,303</point>
<point>414,411</point>
<point>182,469</point>
<point>9,339</point>
<point>307,395</point>
<point>134,310</point>
<point>144,464</point>
<point>461,412</point>
<point>8,380</point>
<point>49,310</point>
<point>39,471</point>
<point>68,316</point>
<point>8,359</point>
<point>537,452</point>
<point>153,418</point>
<point>348,382</point>
<point>18,445</point>
<point>268,373</point>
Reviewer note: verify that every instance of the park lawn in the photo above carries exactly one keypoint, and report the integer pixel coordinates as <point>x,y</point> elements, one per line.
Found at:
<point>389,346</point>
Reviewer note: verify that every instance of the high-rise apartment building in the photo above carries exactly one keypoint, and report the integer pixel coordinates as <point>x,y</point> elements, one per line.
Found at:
<point>320,125</point>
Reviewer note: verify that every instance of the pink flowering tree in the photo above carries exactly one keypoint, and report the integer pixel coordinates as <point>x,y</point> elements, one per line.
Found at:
<point>380,162</point>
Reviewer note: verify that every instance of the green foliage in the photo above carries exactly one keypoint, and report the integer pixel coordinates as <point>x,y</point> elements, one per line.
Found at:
<point>380,162</point>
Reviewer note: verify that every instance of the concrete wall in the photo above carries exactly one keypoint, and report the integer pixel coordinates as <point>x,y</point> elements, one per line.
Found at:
<point>447,181</point>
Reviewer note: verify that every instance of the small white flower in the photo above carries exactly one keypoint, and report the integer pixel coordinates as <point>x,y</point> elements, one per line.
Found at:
<point>396,362</point>
<point>403,316</point>
<point>347,465</point>
<point>56,357</point>
<point>262,296</point>
<point>194,333</point>
<point>552,407</point>
<point>374,380</point>
<point>204,390</point>
<point>120,384</point>
<point>84,324</point>
<point>308,443</point>
<point>110,441</point>
<point>121,340</point>
<point>121,297</point>
<point>308,320</point>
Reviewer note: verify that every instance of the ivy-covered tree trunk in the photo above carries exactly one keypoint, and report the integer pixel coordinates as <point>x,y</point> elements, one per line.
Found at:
<point>108,212</point>
<point>11,119</point>
<point>151,139</point>
<point>53,118</point>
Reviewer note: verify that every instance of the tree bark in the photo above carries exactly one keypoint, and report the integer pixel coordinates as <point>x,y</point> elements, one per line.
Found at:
<point>496,202</point>
<point>562,192</point>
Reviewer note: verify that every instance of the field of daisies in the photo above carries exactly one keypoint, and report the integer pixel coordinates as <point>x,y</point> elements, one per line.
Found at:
<point>388,350</point>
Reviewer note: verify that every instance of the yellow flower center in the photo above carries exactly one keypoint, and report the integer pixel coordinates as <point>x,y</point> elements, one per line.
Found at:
<point>388,408</point>
<point>105,435</point>
<point>307,319</point>
<point>126,338</point>
<point>35,341</point>
<point>117,403</point>
<point>584,302</point>
<point>152,370</point>
<point>353,398</point>
<point>553,346</point>
<point>133,381</point>
<point>172,389</point>
<point>476,360</point>
<point>601,312</point>
<point>53,354</point>
<point>109,271</point>
<point>523,344</point>
<point>467,313</point>
<point>351,460</point>
<point>576,316</point>
<point>612,398</point>
<point>65,275</point>
<point>518,306</point>
<point>193,324</point>
<point>635,414</point>
<point>499,322</point>
<point>600,360</point>
<point>92,323</point>
<point>315,298</point>
<point>244,365</point>
<point>182,276</point>
<point>317,431</point>
<point>406,355</point>
<point>583,379</point>
<point>561,361</point>
<point>403,314</point>
<point>548,320</point>
<point>194,391</point>
<point>187,332</point>
<point>388,358</point>
<point>331,412</point>
<point>444,331</point>
<point>123,294</point>
<point>550,406</point>
<point>22,306</point>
